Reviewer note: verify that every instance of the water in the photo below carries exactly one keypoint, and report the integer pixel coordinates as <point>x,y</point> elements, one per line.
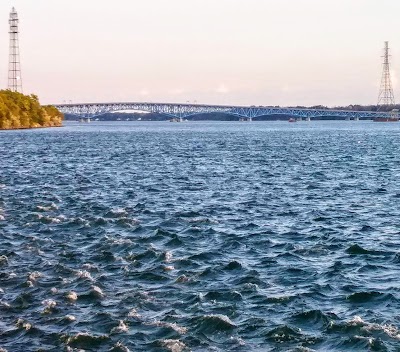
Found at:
<point>200,236</point>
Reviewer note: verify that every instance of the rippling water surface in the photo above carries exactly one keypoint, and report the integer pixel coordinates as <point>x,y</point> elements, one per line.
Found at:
<point>143,236</point>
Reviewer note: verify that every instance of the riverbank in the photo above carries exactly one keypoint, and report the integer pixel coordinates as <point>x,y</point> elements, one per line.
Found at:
<point>29,128</point>
<point>19,111</point>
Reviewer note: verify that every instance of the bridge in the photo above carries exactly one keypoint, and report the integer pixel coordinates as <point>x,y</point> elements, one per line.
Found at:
<point>181,111</point>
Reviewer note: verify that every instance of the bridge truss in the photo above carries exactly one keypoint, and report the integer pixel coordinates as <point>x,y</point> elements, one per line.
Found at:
<point>92,110</point>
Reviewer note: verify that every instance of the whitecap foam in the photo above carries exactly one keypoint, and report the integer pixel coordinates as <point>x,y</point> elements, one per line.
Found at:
<point>55,220</point>
<point>50,207</point>
<point>22,324</point>
<point>3,260</point>
<point>81,221</point>
<point>34,276</point>
<point>389,329</point>
<point>179,329</point>
<point>83,337</point>
<point>133,314</point>
<point>118,212</point>
<point>237,340</point>
<point>120,347</point>
<point>49,303</point>
<point>70,317</point>
<point>183,278</point>
<point>98,291</point>
<point>89,266</point>
<point>122,327</point>
<point>72,296</point>
<point>220,317</point>
<point>203,220</point>
<point>5,304</point>
<point>168,257</point>
<point>251,286</point>
<point>83,274</point>
<point>173,345</point>
<point>49,219</point>
<point>119,241</point>
<point>76,337</point>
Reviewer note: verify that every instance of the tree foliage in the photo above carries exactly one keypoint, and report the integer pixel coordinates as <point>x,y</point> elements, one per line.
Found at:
<point>24,111</point>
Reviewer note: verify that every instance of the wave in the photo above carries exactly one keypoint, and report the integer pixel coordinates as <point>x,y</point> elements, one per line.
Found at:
<point>363,334</point>
<point>209,324</point>
<point>285,333</point>
<point>229,296</point>
<point>85,340</point>
<point>315,317</point>
<point>233,265</point>
<point>368,296</point>
<point>358,250</point>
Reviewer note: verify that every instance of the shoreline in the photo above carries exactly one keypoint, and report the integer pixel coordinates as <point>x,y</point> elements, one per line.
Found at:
<point>28,128</point>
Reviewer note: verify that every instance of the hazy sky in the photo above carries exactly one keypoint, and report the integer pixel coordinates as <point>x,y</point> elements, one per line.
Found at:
<point>262,52</point>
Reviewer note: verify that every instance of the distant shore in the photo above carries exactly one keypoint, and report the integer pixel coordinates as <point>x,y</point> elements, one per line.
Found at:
<point>121,117</point>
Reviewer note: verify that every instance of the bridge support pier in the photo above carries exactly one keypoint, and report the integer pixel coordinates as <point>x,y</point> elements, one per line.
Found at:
<point>176,119</point>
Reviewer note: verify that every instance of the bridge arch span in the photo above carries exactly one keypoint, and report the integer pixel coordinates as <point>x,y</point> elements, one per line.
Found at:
<point>90,110</point>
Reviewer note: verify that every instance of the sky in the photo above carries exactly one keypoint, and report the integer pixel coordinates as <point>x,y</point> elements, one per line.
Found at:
<point>239,52</point>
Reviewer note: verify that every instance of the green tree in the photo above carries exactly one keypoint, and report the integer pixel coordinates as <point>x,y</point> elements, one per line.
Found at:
<point>24,111</point>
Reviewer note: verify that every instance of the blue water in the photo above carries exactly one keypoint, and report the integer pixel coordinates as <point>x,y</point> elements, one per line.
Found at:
<point>200,236</point>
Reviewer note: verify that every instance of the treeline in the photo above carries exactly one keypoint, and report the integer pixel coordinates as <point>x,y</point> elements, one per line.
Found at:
<point>355,107</point>
<point>24,111</point>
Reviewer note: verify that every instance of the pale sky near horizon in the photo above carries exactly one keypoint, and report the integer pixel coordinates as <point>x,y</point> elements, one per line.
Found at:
<point>248,52</point>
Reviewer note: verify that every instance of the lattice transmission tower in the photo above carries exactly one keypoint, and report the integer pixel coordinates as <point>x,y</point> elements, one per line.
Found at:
<point>14,64</point>
<point>386,96</point>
